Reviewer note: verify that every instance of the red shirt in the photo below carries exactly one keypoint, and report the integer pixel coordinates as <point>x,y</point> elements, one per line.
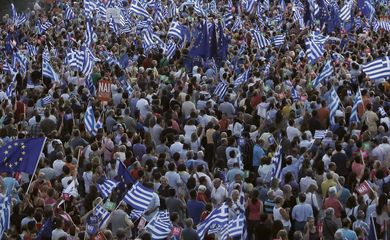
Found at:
<point>335,204</point>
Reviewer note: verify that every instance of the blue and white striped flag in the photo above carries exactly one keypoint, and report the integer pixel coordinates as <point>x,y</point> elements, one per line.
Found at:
<point>282,5</point>
<point>234,228</point>
<point>277,163</point>
<point>160,226</point>
<point>278,40</point>
<point>172,9</point>
<point>136,214</point>
<point>91,87</point>
<point>314,50</point>
<point>381,112</point>
<point>357,101</point>
<point>31,50</point>
<point>333,106</point>
<point>89,33</point>
<point>346,11</point>
<point>198,8</point>
<point>294,95</point>
<point>217,217</point>
<point>17,19</point>
<point>237,25</point>
<point>8,68</point>
<point>326,72</point>
<point>47,100</point>
<point>90,121</point>
<point>10,92</point>
<point>88,60</point>
<point>249,6</point>
<point>175,30</point>
<point>170,50</point>
<point>113,26</point>
<point>243,78</point>
<point>261,41</point>
<point>137,8</point>
<point>43,27</point>
<point>378,68</point>
<point>69,14</point>
<point>48,70</point>
<point>89,7</point>
<point>106,187</point>
<point>103,215</point>
<point>5,214</point>
<point>228,19</point>
<point>139,197</point>
<point>221,89</point>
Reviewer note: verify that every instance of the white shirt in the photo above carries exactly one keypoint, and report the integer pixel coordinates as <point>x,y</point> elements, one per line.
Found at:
<point>306,182</point>
<point>219,194</point>
<point>292,132</point>
<point>176,147</point>
<point>66,180</point>
<point>58,233</point>
<point>188,131</point>
<point>326,160</point>
<point>57,166</point>
<point>143,106</point>
<point>87,176</point>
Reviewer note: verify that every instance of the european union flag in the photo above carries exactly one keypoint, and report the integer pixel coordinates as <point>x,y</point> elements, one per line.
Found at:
<point>201,45</point>
<point>213,45</point>
<point>223,43</point>
<point>21,155</point>
<point>124,176</point>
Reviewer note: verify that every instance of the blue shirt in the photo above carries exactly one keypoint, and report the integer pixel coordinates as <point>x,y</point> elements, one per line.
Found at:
<point>195,209</point>
<point>301,212</point>
<point>258,154</point>
<point>347,234</point>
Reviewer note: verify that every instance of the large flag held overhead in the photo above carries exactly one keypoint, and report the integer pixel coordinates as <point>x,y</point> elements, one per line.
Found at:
<point>137,8</point>
<point>5,214</point>
<point>160,226</point>
<point>221,89</point>
<point>106,187</point>
<point>90,121</point>
<point>243,78</point>
<point>89,33</point>
<point>326,72</point>
<point>218,217</point>
<point>139,196</point>
<point>357,101</point>
<point>261,41</point>
<point>333,106</point>
<point>378,68</point>
<point>234,228</point>
<point>277,162</point>
<point>21,155</point>
<point>103,215</point>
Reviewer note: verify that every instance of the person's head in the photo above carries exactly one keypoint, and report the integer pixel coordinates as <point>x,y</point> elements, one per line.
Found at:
<point>298,235</point>
<point>193,194</point>
<point>346,222</point>
<point>174,217</point>
<point>282,234</point>
<point>217,182</point>
<point>302,197</point>
<point>58,222</point>
<point>329,212</point>
<point>189,222</point>
<point>235,195</point>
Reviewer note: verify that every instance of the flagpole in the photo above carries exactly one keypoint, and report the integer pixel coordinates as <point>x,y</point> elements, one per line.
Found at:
<point>36,165</point>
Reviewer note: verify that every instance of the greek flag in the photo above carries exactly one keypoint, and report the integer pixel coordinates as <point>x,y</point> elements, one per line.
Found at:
<point>277,162</point>
<point>314,50</point>
<point>90,121</point>
<point>314,8</point>
<point>10,92</point>
<point>42,28</point>
<point>89,7</point>
<point>17,19</point>
<point>282,5</point>
<point>243,78</point>
<point>31,50</point>
<point>294,95</point>
<point>228,19</point>
<point>299,18</point>
<point>159,13</point>
<point>88,60</point>
<point>69,14</point>
<point>170,50</point>
<point>172,8</point>
<point>102,10</point>
<point>218,217</point>
<point>326,72</point>
<point>320,134</point>
<point>48,70</point>
<point>19,58</point>
<point>198,8</point>
<point>139,197</point>
<point>160,226</point>
<point>237,24</point>
<point>74,59</point>
<point>234,228</point>
<point>136,214</point>
<point>89,33</point>
<point>47,100</point>
<point>175,30</point>
<point>278,40</point>
<point>357,101</point>
<point>114,28</point>
<point>7,68</point>
<point>378,68</point>
<point>103,215</point>
<point>261,41</point>
<point>106,188</point>
<point>125,85</point>
<point>333,106</point>
<point>249,6</point>
<point>5,214</point>
<point>137,8</point>
<point>221,89</point>
<point>91,87</point>
<point>346,11</point>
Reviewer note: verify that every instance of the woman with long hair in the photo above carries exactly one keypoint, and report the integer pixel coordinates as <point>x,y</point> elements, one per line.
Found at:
<point>254,209</point>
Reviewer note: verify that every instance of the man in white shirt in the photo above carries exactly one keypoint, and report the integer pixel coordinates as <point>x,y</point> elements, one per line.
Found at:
<point>219,192</point>
<point>307,181</point>
<point>292,131</point>
<point>58,164</point>
<point>177,146</point>
<point>143,105</point>
<point>187,107</point>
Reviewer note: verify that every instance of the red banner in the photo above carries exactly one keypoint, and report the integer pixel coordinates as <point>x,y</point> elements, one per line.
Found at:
<point>363,188</point>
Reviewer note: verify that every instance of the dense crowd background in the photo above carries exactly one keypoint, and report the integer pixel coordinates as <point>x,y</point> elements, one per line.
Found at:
<point>196,149</point>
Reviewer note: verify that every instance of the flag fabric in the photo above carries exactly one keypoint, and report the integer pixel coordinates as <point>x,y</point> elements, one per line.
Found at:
<point>381,112</point>
<point>47,100</point>
<point>10,92</point>
<point>106,187</point>
<point>103,215</point>
<point>17,19</point>
<point>201,46</point>
<point>294,95</point>
<point>172,9</point>
<point>31,50</point>
<point>237,25</point>
<point>70,190</point>
<point>88,61</point>
<point>91,87</point>
<point>124,176</point>
<point>320,134</point>
<point>5,214</point>
<point>48,71</point>
<point>137,8</point>
<point>221,89</point>
<point>372,234</point>
<point>261,41</point>
<point>277,162</point>
<point>139,197</point>
<point>90,121</point>
<point>378,68</point>
<point>357,101</point>
<point>249,6</point>
<point>346,11</point>
<point>299,18</point>
<point>89,7</point>
<point>175,30</point>
<point>42,28</point>
<point>234,228</point>
<point>69,14</point>
<point>170,50</point>
<point>333,106</point>
<point>228,19</point>
<point>89,33</point>
<point>217,218</point>
<point>243,78</point>
<point>278,40</point>
<point>21,155</point>
<point>136,214</point>
<point>314,50</point>
<point>160,226</point>
<point>125,85</point>
<point>326,72</point>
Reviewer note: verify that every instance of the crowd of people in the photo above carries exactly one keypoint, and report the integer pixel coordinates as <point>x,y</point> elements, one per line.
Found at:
<point>269,149</point>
